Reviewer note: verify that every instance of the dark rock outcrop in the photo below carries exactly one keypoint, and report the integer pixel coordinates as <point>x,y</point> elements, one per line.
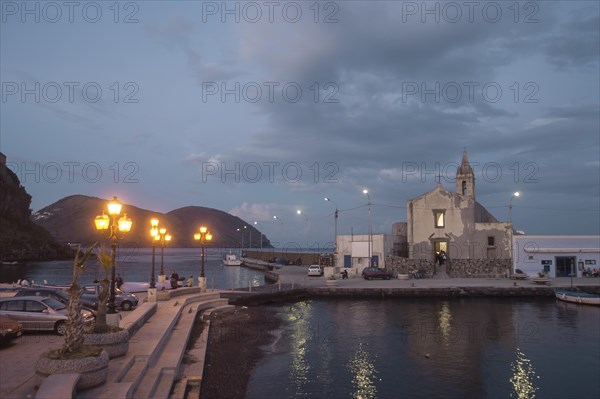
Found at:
<point>20,238</point>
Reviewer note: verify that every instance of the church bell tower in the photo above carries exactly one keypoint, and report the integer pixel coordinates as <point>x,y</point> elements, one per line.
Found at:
<point>465,179</point>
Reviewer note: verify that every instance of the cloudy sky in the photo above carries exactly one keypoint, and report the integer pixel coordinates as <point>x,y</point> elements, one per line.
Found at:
<point>264,108</point>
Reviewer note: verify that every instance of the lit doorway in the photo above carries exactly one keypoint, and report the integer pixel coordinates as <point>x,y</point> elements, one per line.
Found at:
<point>438,247</point>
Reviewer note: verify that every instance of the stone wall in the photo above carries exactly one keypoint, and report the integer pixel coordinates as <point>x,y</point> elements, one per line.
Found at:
<point>479,268</point>
<point>456,268</point>
<point>402,265</point>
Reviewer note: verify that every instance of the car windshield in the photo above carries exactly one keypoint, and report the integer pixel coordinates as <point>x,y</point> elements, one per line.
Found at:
<point>53,303</point>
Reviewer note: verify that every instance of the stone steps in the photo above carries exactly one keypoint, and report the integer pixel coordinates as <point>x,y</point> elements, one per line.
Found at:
<point>145,348</point>
<point>161,375</point>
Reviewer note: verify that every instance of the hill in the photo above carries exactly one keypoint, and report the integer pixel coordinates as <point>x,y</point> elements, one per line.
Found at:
<point>71,220</point>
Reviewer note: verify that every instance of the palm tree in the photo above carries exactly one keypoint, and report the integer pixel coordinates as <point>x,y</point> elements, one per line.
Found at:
<point>106,262</point>
<point>75,329</point>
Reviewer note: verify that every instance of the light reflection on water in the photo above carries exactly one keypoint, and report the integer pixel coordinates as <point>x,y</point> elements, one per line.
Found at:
<point>457,348</point>
<point>364,374</point>
<point>524,378</point>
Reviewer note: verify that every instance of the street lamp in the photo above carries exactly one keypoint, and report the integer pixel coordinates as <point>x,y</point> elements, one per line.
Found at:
<point>203,235</point>
<point>123,224</point>
<point>163,237</point>
<point>280,227</point>
<point>154,237</point>
<point>255,223</point>
<point>515,194</point>
<point>365,191</point>
<point>335,221</point>
<point>306,226</point>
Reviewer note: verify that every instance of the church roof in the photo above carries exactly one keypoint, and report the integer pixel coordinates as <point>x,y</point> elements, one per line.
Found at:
<point>465,167</point>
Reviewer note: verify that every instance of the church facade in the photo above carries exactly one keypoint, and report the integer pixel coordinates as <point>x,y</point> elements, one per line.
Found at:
<point>454,223</point>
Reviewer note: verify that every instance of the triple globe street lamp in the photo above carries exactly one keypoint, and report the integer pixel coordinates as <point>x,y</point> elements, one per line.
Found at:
<point>123,225</point>
<point>162,236</point>
<point>203,235</point>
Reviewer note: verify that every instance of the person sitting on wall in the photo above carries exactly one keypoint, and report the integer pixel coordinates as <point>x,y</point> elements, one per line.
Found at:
<point>119,281</point>
<point>190,281</point>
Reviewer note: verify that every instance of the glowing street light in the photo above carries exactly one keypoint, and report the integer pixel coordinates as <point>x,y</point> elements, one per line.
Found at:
<point>335,221</point>
<point>123,224</point>
<point>365,191</point>
<point>202,236</point>
<point>515,194</point>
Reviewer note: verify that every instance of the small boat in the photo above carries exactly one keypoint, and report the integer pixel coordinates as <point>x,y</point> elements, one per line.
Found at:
<point>577,297</point>
<point>231,260</point>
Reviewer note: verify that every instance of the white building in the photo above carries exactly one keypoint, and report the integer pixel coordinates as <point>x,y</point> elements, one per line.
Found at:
<point>353,251</point>
<point>556,255</point>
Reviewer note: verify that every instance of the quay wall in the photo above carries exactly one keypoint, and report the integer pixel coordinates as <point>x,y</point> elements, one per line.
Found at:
<point>366,293</point>
<point>307,257</point>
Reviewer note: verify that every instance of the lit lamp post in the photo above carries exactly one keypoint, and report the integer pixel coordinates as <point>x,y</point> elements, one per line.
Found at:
<point>163,236</point>
<point>335,221</point>
<point>203,235</point>
<point>123,224</point>
<point>255,223</point>
<point>365,191</point>
<point>515,194</point>
<point>306,226</point>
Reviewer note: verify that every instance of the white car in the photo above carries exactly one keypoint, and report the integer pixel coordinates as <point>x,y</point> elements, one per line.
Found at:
<point>315,270</point>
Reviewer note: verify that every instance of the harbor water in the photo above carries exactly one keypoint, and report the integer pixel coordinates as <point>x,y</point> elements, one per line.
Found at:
<point>432,348</point>
<point>135,264</point>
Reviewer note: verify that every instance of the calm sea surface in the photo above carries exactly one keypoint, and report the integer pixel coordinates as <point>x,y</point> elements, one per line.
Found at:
<point>427,348</point>
<point>135,264</point>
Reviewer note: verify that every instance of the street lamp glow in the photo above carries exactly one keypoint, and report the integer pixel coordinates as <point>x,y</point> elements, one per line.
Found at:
<point>202,236</point>
<point>125,223</point>
<point>365,191</point>
<point>114,207</point>
<point>516,194</point>
<point>299,212</point>
<point>102,221</point>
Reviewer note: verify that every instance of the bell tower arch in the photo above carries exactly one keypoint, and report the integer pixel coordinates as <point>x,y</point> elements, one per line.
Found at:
<point>465,179</point>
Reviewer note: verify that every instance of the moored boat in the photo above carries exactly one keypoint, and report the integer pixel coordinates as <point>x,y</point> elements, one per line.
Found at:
<point>577,297</point>
<point>231,260</point>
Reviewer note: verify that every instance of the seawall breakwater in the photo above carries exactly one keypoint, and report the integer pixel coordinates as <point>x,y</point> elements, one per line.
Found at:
<point>366,293</point>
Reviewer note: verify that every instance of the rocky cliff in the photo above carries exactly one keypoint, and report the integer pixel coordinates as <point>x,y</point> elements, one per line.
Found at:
<point>21,239</point>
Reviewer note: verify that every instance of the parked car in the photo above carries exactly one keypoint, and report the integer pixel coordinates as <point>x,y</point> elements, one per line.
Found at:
<point>60,295</point>
<point>39,313</point>
<point>123,300</point>
<point>315,270</point>
<point>369,273</point>
<point>9,329</point>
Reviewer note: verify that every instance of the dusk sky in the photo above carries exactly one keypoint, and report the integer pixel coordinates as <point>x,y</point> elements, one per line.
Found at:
<point>263,108</point>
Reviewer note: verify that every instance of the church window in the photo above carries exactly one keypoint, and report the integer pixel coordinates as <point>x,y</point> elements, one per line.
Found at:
<point>491,241</point>
<point>464,187</point>
<point>439,218</point>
